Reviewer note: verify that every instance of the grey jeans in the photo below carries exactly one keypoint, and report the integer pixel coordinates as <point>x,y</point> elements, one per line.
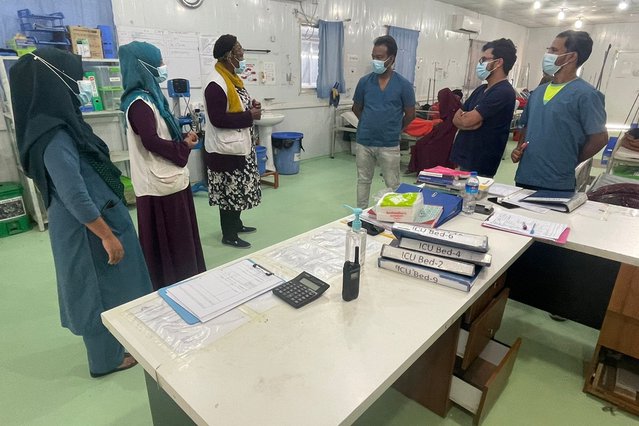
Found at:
<point>366,157</point>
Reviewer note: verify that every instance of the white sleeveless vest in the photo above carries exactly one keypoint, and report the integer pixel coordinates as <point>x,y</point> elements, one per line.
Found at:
<point>152,174</point>
<point>225,141</point>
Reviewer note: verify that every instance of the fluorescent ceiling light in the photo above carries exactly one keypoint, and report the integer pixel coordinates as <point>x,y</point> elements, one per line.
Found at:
<point>623,5</point>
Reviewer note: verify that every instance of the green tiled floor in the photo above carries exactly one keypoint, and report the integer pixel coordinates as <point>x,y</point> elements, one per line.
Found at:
<point>43,371</point>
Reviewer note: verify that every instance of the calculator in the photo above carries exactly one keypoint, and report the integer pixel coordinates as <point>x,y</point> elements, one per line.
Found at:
<point>301,290</point>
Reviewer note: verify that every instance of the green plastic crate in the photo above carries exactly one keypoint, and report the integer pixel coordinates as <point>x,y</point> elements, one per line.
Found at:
<point>13,215</point>
<point>129,194</point>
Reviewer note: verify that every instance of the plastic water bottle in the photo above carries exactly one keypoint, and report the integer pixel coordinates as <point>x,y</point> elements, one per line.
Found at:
<point>470,193</point>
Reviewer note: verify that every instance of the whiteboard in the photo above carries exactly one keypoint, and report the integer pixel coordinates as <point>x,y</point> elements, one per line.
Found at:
<point>622,87</point>
<point>180,50</point>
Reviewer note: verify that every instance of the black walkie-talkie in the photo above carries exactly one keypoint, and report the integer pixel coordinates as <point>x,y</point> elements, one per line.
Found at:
<point>350,278</point>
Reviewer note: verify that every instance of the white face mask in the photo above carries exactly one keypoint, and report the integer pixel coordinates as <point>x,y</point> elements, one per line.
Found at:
<point>85,88</point>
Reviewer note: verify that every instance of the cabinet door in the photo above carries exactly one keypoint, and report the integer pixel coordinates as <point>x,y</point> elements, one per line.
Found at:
<point>484,328</point>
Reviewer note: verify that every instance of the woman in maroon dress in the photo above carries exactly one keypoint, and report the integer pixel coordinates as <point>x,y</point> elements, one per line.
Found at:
<point>158,152</point>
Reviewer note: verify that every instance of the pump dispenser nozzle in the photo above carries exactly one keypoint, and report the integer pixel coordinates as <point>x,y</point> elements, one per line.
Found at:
<point>357,223</point>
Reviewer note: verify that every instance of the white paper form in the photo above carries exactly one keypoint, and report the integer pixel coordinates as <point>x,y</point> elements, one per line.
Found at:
<point>502,190</point>
<point>517,197</point>
<point>525,225</point>
<point>220,290</point>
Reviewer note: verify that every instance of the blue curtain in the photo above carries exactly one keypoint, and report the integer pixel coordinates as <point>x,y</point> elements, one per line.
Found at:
<point>406,51</point>
<point>331,58</point>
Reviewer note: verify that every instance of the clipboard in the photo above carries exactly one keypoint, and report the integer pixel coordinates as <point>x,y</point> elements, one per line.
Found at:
<point>216,276</point>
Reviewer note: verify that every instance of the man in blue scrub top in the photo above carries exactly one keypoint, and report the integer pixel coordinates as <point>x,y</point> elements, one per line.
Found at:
<point>384,103</point>
<point>564,120</point>
<point>484,120</point>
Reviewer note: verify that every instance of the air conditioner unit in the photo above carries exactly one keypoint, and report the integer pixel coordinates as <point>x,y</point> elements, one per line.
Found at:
<point>466,24</point>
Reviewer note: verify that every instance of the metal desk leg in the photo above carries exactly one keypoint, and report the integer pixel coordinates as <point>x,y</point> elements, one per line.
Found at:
<point>164,411</point>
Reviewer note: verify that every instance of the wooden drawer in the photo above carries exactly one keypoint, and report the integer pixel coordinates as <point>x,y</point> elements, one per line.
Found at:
<point>483,329</point>
<point>477,388</point>
<point>620,333</point>
<point>484,300</point>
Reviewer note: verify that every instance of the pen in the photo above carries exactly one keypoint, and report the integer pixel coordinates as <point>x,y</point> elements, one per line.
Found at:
<point>532,230</point>
<point>263,269</point>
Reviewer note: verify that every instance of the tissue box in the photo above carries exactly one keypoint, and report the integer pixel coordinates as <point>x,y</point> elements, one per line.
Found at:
<point>394,207</point>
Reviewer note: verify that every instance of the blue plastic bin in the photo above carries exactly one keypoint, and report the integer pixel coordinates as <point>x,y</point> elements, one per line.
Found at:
<point>261,159</point>
<point>109,49</point>
<point>286,152</point>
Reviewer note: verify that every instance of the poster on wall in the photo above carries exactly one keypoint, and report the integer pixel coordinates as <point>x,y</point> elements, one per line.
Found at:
<point>207,61</point>
<point>251,72</point>
<point>179,50</point>
<point>268,73</point>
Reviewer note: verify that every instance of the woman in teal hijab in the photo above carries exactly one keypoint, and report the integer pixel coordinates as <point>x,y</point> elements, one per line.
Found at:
<point>167,223</point>
<point>98,261</point>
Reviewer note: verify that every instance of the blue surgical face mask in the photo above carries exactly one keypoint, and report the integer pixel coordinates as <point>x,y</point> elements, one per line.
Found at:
<point>241,65</point>
<point>379,66</point>
<point>86,92</point>
<point>163,74</point>
<point>162,71</point>
<point>481,70</point>
<point>548,64</point>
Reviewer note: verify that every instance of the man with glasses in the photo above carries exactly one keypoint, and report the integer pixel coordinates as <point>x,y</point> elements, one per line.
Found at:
<point>484,120</point>
<point>564,120</point>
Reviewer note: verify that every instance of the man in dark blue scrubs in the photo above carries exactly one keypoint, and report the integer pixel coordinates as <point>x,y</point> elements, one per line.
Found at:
<point>484,120</point>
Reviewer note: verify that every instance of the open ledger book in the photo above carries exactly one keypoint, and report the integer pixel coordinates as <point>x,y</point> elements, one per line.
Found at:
<point>557,200</point>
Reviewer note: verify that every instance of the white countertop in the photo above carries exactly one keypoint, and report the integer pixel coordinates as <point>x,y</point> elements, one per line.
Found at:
<point>322,364</point>
<point>327,362</point>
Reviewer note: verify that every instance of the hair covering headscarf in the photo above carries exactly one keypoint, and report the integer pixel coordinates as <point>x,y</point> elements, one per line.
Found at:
<point>139,81</point>
<point>43,105</point>
<point>223,45</point>
<point>434,148</point>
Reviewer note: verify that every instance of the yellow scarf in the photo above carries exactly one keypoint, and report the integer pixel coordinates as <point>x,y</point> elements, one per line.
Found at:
<point>232,81</point>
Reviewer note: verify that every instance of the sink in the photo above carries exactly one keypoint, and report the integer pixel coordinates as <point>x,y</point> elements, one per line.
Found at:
<point>269,119</point>
<point>265,124</point>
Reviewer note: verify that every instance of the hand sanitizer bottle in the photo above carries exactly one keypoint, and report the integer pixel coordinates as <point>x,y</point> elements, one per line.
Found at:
<point>356,238</point>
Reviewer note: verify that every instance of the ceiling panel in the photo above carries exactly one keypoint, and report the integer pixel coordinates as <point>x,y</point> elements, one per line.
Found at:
<point>521,11</point>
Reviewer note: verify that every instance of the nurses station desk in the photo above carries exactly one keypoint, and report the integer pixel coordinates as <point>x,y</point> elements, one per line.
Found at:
<point>327,362</point>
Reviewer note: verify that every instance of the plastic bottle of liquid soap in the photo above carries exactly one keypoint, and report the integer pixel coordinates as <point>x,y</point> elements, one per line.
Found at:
<point>471,191</point>
<point>356,238</point>
<point>355,252</point>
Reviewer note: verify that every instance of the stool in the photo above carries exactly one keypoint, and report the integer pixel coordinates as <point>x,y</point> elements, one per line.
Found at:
<point>276,179</point>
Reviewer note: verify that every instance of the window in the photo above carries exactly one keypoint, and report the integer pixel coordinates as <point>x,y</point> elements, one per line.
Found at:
<point>309,52</point>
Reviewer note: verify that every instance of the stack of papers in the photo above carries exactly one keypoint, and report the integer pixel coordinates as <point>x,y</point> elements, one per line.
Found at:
<point>523,225</point>
<point>217,291</point>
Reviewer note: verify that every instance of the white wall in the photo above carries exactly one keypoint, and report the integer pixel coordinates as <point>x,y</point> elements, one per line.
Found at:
<point>257,22</point>
<point>620,36</point>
